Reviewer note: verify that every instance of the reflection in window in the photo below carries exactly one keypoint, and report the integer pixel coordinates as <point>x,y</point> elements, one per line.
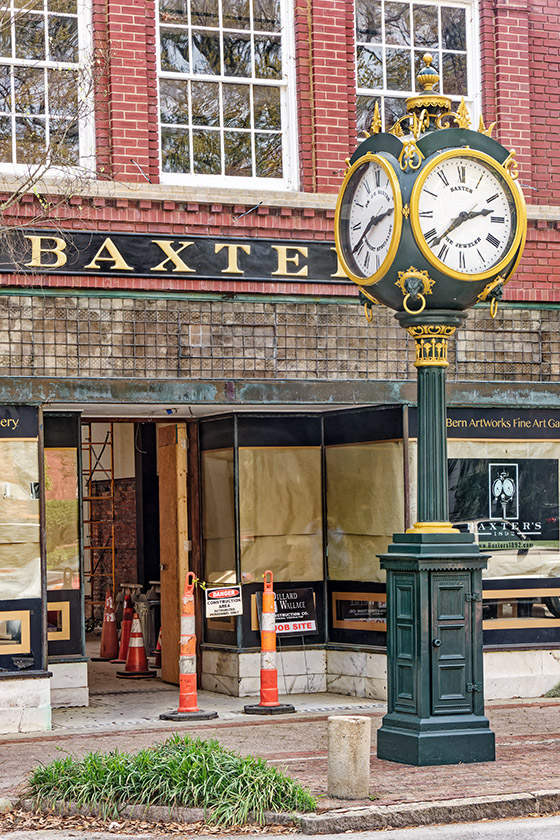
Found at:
<point>10,632</point>
<point>222,87</point>
<point>392,37</point>
<point>62,518</point>
<point>39,65</point>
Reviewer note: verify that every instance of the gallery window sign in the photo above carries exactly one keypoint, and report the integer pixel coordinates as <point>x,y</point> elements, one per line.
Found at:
<point>145,255</point>
<point>496,423</point>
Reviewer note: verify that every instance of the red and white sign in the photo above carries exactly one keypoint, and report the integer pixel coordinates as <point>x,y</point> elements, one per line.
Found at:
<point>223,601</point>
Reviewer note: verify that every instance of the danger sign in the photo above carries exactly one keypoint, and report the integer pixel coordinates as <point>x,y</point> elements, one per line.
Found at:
<point>223,600</point>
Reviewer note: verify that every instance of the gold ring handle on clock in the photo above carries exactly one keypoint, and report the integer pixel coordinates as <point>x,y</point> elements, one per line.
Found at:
<point>414,311</point>
<point>516,194</point>
<point>370,157</point>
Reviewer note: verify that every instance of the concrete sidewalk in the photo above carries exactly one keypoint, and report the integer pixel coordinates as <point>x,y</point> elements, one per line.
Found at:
<point>125,715</point>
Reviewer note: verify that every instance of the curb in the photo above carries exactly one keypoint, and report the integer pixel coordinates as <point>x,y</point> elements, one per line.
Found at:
<point>429,813</point>
<point>146,813</point>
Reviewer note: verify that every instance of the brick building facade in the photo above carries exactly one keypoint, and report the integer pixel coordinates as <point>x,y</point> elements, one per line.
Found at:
<point>169,125</point>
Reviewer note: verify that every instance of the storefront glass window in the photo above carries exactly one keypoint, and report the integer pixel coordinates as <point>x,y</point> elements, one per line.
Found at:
<point>20,554</point>
<point>62,519</point>
<point>365,506</point>
<point>218,516</point>
<point>280,513</point>
<point>224,88</point>
<point>392,37</point>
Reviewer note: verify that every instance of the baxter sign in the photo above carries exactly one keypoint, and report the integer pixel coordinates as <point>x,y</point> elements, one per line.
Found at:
<point>145,255</point>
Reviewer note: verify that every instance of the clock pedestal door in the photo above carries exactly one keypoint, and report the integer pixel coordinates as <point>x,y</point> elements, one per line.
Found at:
<point>434,595</point>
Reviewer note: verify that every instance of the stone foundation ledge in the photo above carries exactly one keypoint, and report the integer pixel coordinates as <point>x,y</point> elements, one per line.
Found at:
<point>410,814</point>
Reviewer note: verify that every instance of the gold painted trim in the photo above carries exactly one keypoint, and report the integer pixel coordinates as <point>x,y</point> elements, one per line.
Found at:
<point>515,624</point>
<point>24,646</point>
<point>500,594</point>
<point>518,199</point>
<point>62,635</point>
<point>432,528</point>
<point>370,157</point>
<point>368,624</point>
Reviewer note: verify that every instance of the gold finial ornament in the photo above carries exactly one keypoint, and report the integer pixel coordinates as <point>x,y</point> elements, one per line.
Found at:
<point>375,126</point>
<point>482,128</point>
<point>428,100</point>
<point>431,344</point>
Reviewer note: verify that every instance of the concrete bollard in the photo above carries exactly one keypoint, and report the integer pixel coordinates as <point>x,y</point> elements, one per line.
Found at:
<point>349,748</point>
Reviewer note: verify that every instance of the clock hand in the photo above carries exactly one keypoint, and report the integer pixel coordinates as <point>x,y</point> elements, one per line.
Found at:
<point>372,222</point>
<point>464,216</point>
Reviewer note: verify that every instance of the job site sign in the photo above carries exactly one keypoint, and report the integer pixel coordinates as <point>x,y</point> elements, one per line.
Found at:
<point>223,601</point>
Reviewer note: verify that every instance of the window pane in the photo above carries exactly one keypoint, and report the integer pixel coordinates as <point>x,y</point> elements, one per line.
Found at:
<point>206,53</point>
<point>453,26</point>
<point>204,13</point>
<point>175,50</point>
<point>237,150</point>
<point>63,39</point>
<point>370,67</point>
<point>174,101</point>
<point>175,150</point>
<point>64,143</point>
<point>368,21</point>
<point>235,14</point>
<point>454,74</point>
<point>69,7</point>
<point>237,108</point>
<point>398,69</point>
<point>205,103</point>
<point>30,37</point>
<point>63,92</point>
<point>29,87</point>
<point>397,23</point>
<point>5,89</point>
<point>206,152</point>
<point>268,152</point>
<point>5,139</point>
<point>173,10</point>
<point>394,108</point>
<point>365,108</point>
<point>30,140</point>
<point>266,104</point>
<point>425,26</point>
<point>268,58</point>
<point>266,15</point>
<point>6,41</point>
<point>28,4</point>
<point>237,55</point>
<point>218,516</point>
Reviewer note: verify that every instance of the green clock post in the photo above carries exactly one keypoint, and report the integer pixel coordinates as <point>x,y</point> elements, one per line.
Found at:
<point>429,221</point>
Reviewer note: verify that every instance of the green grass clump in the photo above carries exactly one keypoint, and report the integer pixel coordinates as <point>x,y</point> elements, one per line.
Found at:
<point>553,692</point>
<point>182,771</point>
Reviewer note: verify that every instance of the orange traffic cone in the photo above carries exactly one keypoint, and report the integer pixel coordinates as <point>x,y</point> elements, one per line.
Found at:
<point>126,625</point>
<point>269,704</point>
<point>188,709</point>
<point>157,651</point>
<point>136,662</point>
<point>109,640</point>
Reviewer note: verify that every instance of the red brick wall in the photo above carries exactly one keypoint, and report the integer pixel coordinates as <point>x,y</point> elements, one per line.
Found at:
<point>125,533</point>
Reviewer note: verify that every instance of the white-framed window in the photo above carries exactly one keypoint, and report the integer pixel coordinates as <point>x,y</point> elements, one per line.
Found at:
<point>391,38</point>
<point>46,84</point>
<point>226,92</point>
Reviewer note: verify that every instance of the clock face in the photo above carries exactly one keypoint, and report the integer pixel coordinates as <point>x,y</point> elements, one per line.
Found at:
<point>368,219</point>
<point>465,214</point>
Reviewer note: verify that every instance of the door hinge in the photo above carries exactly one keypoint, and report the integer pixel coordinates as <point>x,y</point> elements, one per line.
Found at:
<point>473,596</point>
<point>474,686</point>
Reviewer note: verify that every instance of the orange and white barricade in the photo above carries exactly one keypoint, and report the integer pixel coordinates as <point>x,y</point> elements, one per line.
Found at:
<point>188,708</point>
<point>269,704</point>
<point>136,661</point>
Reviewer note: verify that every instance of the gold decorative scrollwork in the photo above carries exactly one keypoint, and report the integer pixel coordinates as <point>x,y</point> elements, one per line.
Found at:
<point>369,296</point>
<point>511,165</point>
<point>490,288</point>
<point>431,344</point>
<point>459,118</point>
<point>406,211</point>
<point>483,130</point>
<point>411,156</point>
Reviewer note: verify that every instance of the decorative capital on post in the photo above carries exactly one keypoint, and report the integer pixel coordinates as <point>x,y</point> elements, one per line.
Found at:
<point>431,344</point>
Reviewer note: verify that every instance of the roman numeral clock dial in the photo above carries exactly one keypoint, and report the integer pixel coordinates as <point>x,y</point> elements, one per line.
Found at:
<point>465,214</point>
<point>368,219</point>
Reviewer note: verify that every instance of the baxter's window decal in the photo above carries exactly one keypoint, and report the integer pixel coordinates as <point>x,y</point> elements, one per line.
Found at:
<point>392,37</point>
<point>223,87</point>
